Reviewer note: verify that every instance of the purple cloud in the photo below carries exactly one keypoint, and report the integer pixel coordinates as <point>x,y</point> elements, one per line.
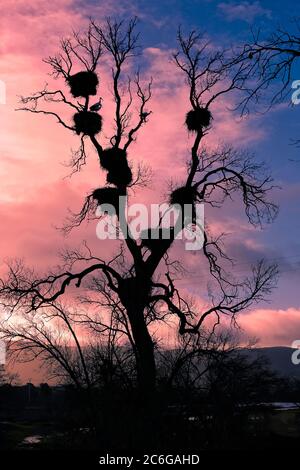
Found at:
<point>245,11</point>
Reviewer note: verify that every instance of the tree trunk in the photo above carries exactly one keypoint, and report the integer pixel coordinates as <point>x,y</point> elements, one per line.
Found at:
<point>134,295</point>
<point>146,369</point>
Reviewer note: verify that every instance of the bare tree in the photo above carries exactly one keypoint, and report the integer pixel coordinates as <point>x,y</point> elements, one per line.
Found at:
<point>55,335</point>
<point>269,66</point>
<point>208,365</point>
<point>131,285</point>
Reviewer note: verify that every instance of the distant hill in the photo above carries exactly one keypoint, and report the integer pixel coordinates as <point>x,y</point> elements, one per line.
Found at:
<point>279,358</point>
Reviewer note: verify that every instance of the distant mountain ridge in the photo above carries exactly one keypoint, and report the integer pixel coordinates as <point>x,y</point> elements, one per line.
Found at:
<point>279,358</point>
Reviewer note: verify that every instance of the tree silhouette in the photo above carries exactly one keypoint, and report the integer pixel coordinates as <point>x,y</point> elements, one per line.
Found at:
<point>269,65</point>
<point>131,286</point>
<point>52,337</point>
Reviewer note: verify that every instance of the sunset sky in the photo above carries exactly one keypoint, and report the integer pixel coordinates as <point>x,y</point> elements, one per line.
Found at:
<point>36,191</point>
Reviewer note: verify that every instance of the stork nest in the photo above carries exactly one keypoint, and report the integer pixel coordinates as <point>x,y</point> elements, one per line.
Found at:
<point>112,157</point>
<point>107,196</point>
<point>196,119</point>
<point>87,123</point>
<point>120,176</point>
<point>83,84</point>
<point>157,239</point>
<point>183,195</point>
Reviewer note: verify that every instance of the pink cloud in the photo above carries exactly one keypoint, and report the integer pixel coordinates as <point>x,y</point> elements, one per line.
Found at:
<point>272,327</point>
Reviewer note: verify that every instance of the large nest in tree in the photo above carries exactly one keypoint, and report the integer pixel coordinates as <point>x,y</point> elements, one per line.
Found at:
<point>83,84</point>
<point>112,157</point>
<point>157,239</point>
<point>87,122</point>
<point>120,174</point>
<point>114,160</point>
<point>107,196</point>
<point>198,118</point>
<point>183,195</point>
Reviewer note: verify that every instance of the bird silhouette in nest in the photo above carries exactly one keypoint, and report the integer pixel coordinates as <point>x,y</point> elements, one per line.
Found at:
<point>97,106</point>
